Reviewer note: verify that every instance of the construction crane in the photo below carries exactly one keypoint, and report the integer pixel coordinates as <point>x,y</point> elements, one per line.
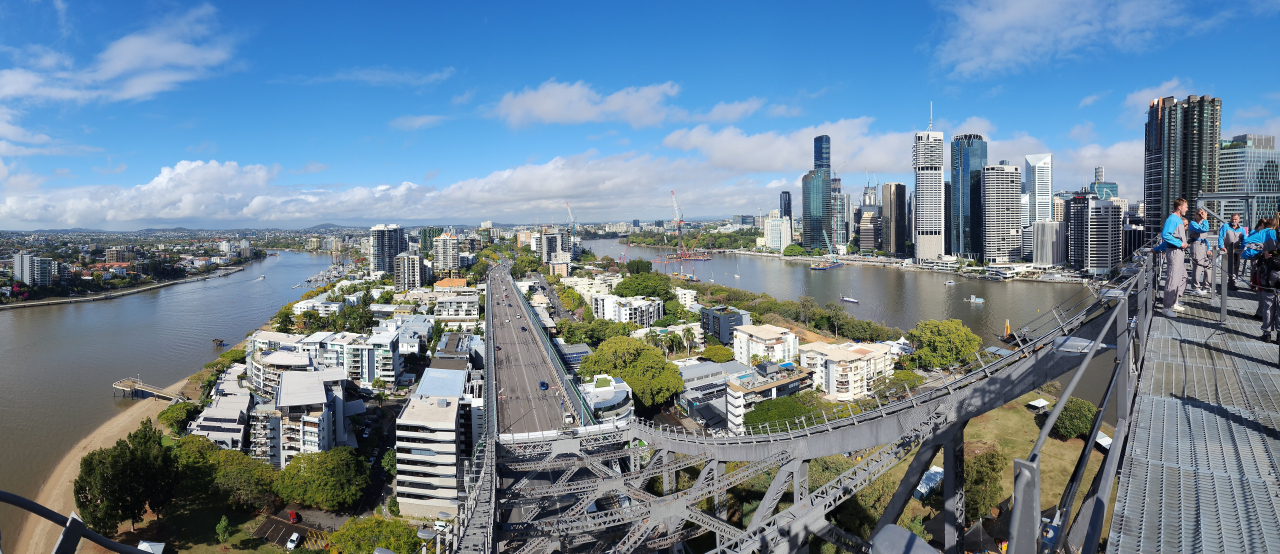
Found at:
<point>679,225</point>
<point>573,223</point>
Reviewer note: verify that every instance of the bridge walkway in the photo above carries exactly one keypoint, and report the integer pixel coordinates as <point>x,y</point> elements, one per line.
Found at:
<point>1202,471</point>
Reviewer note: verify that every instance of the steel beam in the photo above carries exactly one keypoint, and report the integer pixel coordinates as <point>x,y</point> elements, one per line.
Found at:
<point>953,492</point>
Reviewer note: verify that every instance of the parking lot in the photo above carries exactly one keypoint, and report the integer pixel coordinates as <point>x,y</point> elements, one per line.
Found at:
<point>277,531</point>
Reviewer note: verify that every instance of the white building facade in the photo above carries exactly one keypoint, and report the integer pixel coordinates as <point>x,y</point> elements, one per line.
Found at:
<point>1001,213</point>
<point>767,342</point>
<point>639,310</point>
<point>930,195</point>
<point>846,371</point>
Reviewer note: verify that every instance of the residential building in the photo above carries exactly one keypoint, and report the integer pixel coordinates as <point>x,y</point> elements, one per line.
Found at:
<point>688,298</point>
<point>784,204</point>
<point>816,196</point>
<point>769,381</point>
<point>642,311</point>
<point>1249,164</point>
<point>846,371</point>
<point>32,270</point>
<point>720,321</point>
<point>324,307</point>
<point>609,397</point>
<point>1095,234</point>
<point>930,195</point>
<point>411,271</point>
<point>894,218</point>
<point>770,343</point>
<point>458,311</point>
<point>968,158</point>
<point>445,253</point>
<point>118,254</point>
<point>1051,243</point>
<point>839,233</point>
<point>1059,208</point>
<point>706,392</point>
<point>225,419</point>
<point>1001,213</point>
<point>386,358</point>
<point>1181,150</point>
<point>387,242</point>
<point>308,415</point>
<point>266,367</point>
<point>435,431</point>
<point>777,233</point>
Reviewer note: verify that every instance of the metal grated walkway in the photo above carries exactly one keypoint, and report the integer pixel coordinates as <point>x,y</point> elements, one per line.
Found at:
<point>1202,471</point>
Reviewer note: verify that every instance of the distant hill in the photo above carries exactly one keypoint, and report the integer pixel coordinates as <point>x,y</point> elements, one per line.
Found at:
<point>72,230</point>
<point>324,226</point>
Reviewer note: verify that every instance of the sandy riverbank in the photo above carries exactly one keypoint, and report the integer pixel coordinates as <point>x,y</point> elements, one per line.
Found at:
<point>40,535</point>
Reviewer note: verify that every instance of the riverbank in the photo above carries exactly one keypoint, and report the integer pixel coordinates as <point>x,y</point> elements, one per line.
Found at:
<point>40,535</point>
<point>113,295</point>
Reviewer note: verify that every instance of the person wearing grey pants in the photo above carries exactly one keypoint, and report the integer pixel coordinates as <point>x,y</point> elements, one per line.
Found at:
<point>1200,258</point>
<point>1174,235</point>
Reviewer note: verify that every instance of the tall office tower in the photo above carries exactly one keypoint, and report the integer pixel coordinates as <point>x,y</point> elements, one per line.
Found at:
<point>1059,208</point>
<point>930,196</point>
<point>1051,243</point>
<point>1001,213</point>
<point>869,195</point>
<point>1095,236</point>
<point>635,223</point>
<point>1181,154</point>
<point>1026,212</point>
<point>1099,174</point>
<point>839,229</point>
<point>386,242</point>
<point>893,218</point>
<point>968,158</point>
<point>445,253</point>
<point>1105,189</point>
<point>1249,164</point>
<point>816,196</point>
<point>1039,182</point>
<point>869,233</point>
<point>948,218</point>
<point>777,232</point>
<point>784,203</point>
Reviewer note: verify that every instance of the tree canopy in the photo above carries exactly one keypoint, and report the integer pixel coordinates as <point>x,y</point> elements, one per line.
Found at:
<point>651,377</point>
<point>793,250</point>
<point>1076,419</point>
<point>941,344</point>
<point>594,332</point>
<point>636,267</point>
<point>717,354</point>
<point>245,481</point>
<point>645,284</point>
<point>329,480</point>
<point>367,533</point>
<point>983,469</point>
<point>121,482</point>
<point>176,416</point>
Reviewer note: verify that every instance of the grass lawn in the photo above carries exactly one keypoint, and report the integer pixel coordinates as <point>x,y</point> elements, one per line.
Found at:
<point>193,531</point>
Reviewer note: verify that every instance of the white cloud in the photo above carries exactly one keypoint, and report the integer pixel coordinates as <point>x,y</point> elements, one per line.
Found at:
<point>310,167</point>
<point>463,98</point>
<point>852,143</point>
<point>1089,100</point>
<point>994,37</point>
<point>1255,112</point>
<point>414,122</point>
<point>575,103</point>
<point>381,76</point>
<point>972,125</point>
<point>10,131</point>
<point>1123,161</point>
<point>110,170</point>
<point>1139,100</point>
<point>731,111</point>
<point>783,110</point>
<point>1082,132</point>
<point>206,147</point>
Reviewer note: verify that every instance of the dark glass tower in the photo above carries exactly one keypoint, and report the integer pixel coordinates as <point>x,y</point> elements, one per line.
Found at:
<point>784,203</point>
<point>1182,153</point>
<point>816,196</point>
<point>968,157</point>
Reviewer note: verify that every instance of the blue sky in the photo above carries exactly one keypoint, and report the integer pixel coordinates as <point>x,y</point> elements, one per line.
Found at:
<point>289,114</point>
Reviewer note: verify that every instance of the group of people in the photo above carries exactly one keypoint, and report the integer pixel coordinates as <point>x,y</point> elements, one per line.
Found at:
<point>1237,242</point>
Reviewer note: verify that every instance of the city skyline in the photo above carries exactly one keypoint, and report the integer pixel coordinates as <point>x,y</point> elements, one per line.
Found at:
<point>215,117</point>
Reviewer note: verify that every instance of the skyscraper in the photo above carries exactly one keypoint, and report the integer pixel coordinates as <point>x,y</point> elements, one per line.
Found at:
<point>1038,185</point>
<point>1105,189</point>
<point>784,204</point>
<point>930,194</point>
<point>1095,237</point>
<point>386,242</point>
<point>839,223</point>
<point>816,196</point>
<point>445,252</point>
<point>1249,163</point>
<point>1181,154</point>
<point>968,158</point>
<point>893,221</point>
<point>1002,213</point>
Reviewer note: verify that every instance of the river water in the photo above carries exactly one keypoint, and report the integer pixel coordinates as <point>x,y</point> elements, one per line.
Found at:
<point>57,363</point>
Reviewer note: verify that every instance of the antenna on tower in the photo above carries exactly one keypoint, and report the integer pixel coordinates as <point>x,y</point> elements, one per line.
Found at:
<point>930,116</point>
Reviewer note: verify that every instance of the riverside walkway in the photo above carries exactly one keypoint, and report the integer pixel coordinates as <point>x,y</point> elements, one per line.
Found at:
<point>1202,468</point>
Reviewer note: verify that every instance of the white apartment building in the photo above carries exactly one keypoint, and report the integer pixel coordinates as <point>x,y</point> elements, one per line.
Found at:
<point>589,287</point>
<point>436,427</point>
<point>271,340</point>
<point>224,420</point>
<point>639,310</point>
<point>386,357</point>
<point>267,366</point>
<point>1001,213</point>
<point>688,298</point>
<point>445,252</point>
<point>777,233</point>
<point>930,195</point>
<point>308,415</point>
<point>324,307</point>
<point>846,371</point>
<point>32,270</point>
<point>411,271</point>
<point>770,342</point>
<point>458,311</point>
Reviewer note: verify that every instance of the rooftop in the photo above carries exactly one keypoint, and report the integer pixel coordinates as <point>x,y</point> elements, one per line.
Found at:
<point>765,332</point>
<point>286,358</point>
<point>442,382</point>
<point>304,388</point>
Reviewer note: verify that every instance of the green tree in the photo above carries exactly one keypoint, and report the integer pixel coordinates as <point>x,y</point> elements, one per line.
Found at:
<point>651,377</point>
<point>223,530</point>
<point>101,490</point>
<point>636,267</point>
<point>393,507</point>
<point>366,534</point>
<point>645,284</point>
<point>246,481</point>
<point>176,416</point>
<point>717,354</point>
<point>983,469</point>
<point>1076,419</point>
<point>389,461</point>
<point>194,467</point>
<point>793,250</point>
<point>329,480</point>
<point>386,297</point>
<point>152,468</point>
<point>940,344</point>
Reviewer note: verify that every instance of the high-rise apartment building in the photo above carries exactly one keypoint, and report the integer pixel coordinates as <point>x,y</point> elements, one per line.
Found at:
<point>1095,234</point>
<point>411,271</point>
<point>816,196</point>
<point>32,270</point>
<point>387,242</point>
<point>869,235</point>
<point>1249,164</point>
<point>445,253</point>
<point>893,218</point>
<point>930,195</point>
<point>777,233</point>
<point>1038,185</point>
<point>1181,153</point>
<point>784,204</point>
<point>968,158</point>
<point>1002,213</point>
<point>839,214</point>
<point>1051,243</point>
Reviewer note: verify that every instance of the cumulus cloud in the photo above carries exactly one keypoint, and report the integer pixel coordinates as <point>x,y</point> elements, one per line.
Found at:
<point>1082,132</point>
<point>1089,100</point>
<point>309,168</point>
<point>575,103</point>
<point>1138,101</point>
<point>181,48</point>
<point>414,122</point>
<point>381,77</point>
<point>993,37</point>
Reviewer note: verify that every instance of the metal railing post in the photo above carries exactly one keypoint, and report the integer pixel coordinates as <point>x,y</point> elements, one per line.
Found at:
<point>1024,526</point>
<point>1223,279</point>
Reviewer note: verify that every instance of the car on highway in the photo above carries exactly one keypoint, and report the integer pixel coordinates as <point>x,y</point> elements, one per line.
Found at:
<point>496,347</point>
<point>542,385</point>
<point>293,541</point>
<point>294,517</point>
<point>523,329</point>
<point>568,418</point>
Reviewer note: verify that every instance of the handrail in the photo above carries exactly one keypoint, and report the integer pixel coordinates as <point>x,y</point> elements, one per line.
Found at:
<point>73,528</point>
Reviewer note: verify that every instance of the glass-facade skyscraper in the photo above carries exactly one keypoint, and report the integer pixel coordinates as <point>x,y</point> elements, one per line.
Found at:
<point>1249,164</point>
<point>816,196</point>
<point>968,157</point>
<point>784,204</point>
<point>1181,154</point>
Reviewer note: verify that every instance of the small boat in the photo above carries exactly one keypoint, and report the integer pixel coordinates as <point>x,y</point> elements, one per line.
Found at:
<point>735,271</point>
<point>949,283</point>
<point>849,299</point>
<point>821,266</point>
<point>219,342</point>
<point>974,299</point>
<point>297,285</point>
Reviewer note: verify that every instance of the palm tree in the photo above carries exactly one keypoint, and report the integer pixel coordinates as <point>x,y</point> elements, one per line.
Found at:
<point>674,342</point>
<point>653,338</point>
<point>688,337</point>
<point>380,397</point>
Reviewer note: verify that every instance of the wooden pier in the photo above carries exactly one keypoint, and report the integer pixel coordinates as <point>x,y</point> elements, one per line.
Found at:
<point>134,388</point>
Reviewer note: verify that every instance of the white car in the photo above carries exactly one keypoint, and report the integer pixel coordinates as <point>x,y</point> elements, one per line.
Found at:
<point>293,542</point>
<point>440,526</point>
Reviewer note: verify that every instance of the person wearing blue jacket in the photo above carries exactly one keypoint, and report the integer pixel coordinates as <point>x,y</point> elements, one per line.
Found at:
<point>1231,238</point>
<point>1200,254</point>
<point>1174,236</point>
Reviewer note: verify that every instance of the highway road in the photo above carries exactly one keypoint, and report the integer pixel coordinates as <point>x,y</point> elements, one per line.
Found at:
<point>520,364</point>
